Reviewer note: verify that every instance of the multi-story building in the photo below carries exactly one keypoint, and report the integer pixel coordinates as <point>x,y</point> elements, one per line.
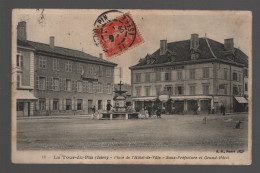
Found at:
<point>24,71</point>
<point>197,72</point>
<point>68,81</point>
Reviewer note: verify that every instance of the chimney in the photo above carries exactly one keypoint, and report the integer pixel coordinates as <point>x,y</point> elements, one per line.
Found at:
<point>21,31</point>
<point>101,55</point>
<point>52,42</point>
<point>194,41</point>
<point>163,47</point>
<point>229,44</point>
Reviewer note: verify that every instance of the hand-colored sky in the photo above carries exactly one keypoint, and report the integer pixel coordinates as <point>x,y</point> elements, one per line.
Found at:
<point>74,29</point>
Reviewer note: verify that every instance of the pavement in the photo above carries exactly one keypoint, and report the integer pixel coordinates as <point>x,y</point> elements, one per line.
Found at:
<point>171,132</point>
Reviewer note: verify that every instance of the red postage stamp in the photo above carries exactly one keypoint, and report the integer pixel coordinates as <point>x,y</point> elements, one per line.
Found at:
<point>118,35</point>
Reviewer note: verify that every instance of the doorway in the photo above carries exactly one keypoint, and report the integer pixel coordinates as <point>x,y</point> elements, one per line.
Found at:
<point>90,105</point>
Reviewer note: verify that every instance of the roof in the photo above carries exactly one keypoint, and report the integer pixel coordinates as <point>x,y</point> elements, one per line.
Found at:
<point>181,52</point>
<point>24,44</point>
<point>42,47</point>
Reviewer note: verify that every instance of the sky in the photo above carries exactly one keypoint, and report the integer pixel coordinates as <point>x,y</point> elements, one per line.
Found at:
<point>74,29</point>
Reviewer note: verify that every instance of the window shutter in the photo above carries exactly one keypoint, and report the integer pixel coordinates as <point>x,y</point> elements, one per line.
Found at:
<point>37,82</point>
<point>47,83</point>
<point>47,104</point>
<point>64,84</point>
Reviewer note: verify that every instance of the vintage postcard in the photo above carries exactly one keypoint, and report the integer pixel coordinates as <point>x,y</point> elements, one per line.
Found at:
<point>116,86</point>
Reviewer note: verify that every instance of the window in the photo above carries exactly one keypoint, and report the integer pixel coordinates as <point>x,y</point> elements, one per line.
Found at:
<point>167,76</point>
<point>138,77</point>
<point>223,87</point>
<point>68,85</point>
<point>168,89</point>
<point>225,75</point>
<point>79,86</point>
<point>99,88</point>
<point>158,76</point>
<point>90,69</point>
<point>138,91</point>
<point>235,90</point>
<point>206,89</point>
<point>68,104</point>
<point>79,104</point>
<point>79,68</point>
<point>55,84</point>
<point>147,91</point>
<point>239,77</point>
<point>179,90</point>
<point>61,85</point>
<point>240,90</point>
<point>108,72</point>
<point>245,72</point>
<point>158,89</point>
<point>19,106</point>
<point>84,86</point>
<point>68,66</point>
<point>42,62</point>
<point>56,65</point>
<point>147,77</point>
<point>18,80</point>
<point>206,72</point>
<point>95,85</point>
<point>109,91</point>
<point>74,85</point>
<point>246,86</point>
<point>192,73</point>
<point>42,104</point>
<point>90,87</point>
<point>55,104</point>
<point>179,75</point>
<point>235,76</point>
<point>42,83</point>
<point>192,89</point>
<point>100,70</point>
<point>19,60</point>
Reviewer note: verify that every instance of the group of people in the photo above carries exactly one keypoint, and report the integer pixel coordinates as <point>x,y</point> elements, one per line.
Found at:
<point>155,110</point>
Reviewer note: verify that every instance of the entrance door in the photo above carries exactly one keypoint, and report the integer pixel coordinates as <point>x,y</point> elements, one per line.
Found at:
<point>179,106</point>
<point>99,104</point>
<point>90,105</point>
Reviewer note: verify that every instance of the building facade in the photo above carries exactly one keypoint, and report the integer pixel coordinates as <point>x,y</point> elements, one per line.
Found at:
<point>199,72</point>
<point>68,81</point>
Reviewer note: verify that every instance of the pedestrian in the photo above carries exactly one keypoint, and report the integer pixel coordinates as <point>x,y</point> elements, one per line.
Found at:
<point>93,111</point>
<point>109,106</point>
<point>173,109</point>
<point>158,112</point>
<point>196,110</point>
<point>213,109</point>
<point>224,110</point>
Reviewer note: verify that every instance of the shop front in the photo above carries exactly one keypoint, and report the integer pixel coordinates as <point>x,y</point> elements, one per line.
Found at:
<point>240,104</point>
<point>25,101</point>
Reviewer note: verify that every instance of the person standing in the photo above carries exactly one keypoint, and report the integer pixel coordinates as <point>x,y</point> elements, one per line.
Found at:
<point>109,107</point>
<point>224,110</point>
<point>93,111</point>
<point>158,112</point>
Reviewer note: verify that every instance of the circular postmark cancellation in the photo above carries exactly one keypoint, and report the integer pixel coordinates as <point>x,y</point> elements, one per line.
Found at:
<point>115,35</point>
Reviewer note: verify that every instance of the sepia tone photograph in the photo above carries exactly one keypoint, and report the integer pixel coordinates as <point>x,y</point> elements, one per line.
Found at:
<point>131,87</point>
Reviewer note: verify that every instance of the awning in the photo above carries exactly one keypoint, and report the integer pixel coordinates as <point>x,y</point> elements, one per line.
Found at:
<point>190,97</point>
<point>241,99</point>
<point>25,95</point>
<point>145,99</point>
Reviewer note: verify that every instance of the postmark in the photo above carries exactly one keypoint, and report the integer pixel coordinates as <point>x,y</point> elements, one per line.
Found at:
<point>117,35</point>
